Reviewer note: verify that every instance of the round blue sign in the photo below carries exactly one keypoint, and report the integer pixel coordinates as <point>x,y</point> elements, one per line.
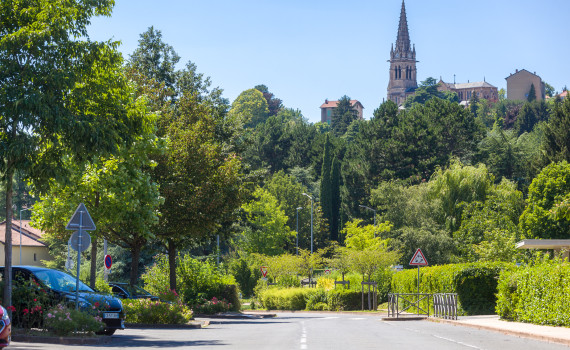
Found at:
<point>108,261</point>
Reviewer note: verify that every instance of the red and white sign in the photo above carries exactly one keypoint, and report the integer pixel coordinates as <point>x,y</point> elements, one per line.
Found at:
<point>264,270</point>
<point>328,271</point>
<point>419,259</point>
<point>108,261</point>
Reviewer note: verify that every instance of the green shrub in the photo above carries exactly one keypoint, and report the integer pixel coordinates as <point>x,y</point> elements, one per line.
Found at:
<point>146,311</point>
<point>63,320</point>
<point>214,306</point>
<point>245,275</point>
<point>536,294</point>
<point>29,302</point>
<point>196,280</point>
<point>317,300</point>
<point>285,299</point>
<point>474,283</point>
<point>341,299</point>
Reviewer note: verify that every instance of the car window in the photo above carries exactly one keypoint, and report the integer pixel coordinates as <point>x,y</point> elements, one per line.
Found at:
<point>60,281</point>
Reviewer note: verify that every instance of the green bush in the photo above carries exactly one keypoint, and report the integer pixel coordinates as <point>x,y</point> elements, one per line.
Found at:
<point>63,320</point>
<point>246,275</point>
<point>146,311</point>
<point>196,280</point>
<point>474,283</point>
<point>318,300</point>
<point>341,299</point>
<point>214,306</point>
<point>536,294</point>
<point>285,299</point>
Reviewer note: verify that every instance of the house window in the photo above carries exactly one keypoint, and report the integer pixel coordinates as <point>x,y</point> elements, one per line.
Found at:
<point>35,257</point>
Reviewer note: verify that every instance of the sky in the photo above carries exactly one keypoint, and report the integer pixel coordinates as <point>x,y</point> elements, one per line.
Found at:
<point>306,51</point>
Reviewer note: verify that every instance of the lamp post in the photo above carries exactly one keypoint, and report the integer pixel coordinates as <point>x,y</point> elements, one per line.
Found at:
<point>297,250</point>
<point>21,210</point>
<point>311,198</point>
<point>365,207</point>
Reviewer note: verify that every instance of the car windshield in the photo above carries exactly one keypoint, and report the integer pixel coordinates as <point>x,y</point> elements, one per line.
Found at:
<point>135,291</point>
<point>60,281</point>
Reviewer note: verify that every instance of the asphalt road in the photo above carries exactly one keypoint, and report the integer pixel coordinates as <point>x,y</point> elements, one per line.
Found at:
<point>311,331</point>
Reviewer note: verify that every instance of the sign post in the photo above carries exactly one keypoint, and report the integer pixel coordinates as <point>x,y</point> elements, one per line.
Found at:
<point>418,260</point>
<point>80,221</point>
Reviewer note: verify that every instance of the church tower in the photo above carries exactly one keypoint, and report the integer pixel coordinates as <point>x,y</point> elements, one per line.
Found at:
<point>403,81</point>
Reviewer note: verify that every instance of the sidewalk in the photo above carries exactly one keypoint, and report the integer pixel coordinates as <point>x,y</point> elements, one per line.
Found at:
<point>560,335</point>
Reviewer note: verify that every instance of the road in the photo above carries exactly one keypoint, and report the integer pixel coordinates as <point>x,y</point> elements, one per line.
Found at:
<point>312,331</point>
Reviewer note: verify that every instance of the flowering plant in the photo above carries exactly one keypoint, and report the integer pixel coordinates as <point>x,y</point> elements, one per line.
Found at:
<point>146,311</point>
<point>209,307</point>
<point>63,320</point>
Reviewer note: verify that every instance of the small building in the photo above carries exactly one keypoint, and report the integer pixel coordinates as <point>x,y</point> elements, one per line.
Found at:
<point>519,85</point>
<point>33,249</point>
<point>563,94</point>
<point>328,107</point>
<point>557,245</point>
<point>465,90</point>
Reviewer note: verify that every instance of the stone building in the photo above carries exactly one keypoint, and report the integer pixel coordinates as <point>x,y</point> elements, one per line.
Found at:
<point>403,81</point>
<point>328,107</point>
<point>519,85</point>
<point>466,90</point>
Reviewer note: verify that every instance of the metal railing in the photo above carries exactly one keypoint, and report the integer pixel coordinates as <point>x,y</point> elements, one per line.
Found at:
<point>406,303</point>
<point>445,305</point>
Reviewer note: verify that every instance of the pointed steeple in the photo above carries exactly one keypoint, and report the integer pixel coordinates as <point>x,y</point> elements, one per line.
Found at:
<point>403,39</point>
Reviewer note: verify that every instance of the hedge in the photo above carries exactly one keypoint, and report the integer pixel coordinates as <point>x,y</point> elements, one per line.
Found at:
<point>537,294</point>
<point>474,283</point>
<point>311,299</point>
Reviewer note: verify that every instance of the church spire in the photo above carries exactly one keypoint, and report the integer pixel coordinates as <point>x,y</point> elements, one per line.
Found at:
<point>403,39</point>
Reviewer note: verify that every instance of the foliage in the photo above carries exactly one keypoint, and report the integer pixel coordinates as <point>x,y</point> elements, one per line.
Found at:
<point>546,191</point>
<point>146,311</point>
<point>214,306</point>
<point>197,280</point>
<point>246,274</point>
<point>285,299</point>
<point>555,145</point>
<point>531,94</point>
<point>530,114</point>
<point>250,107</point>
<point>364,237</point>
<point>29,301</point>
<point>536,293</point>
<point>341,299</point>
<point>342,116</point>
<point>371,259</point>
<point>326,183</point>
<point>266,230</point>
<point>474,283</point>
<point>64,320</point>
<point>311,299</point>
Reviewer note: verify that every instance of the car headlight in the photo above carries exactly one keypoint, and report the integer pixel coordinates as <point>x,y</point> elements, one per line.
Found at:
<point>4,314</point>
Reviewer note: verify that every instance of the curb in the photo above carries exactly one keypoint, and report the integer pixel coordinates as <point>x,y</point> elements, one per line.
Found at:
<point>404,318</point>
<point>61,340</point>
<point>194,325</point>
<point>521,334</point>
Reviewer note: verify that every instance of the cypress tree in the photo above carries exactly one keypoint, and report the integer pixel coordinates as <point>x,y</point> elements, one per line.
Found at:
<point>335,199</point>
<point>532,93</point>
<point>326,181</point>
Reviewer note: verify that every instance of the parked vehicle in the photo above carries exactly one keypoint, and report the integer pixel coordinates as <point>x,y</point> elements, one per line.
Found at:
<point>126,291</point>
<point>5,328</point>
<point>62,287</point>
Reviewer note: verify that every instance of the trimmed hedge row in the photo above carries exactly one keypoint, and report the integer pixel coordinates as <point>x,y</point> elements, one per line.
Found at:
<point>537,294</point>
<point>474,283</point>
<point>310,299</point>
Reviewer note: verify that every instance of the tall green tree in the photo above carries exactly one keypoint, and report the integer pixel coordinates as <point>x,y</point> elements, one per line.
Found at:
<point>555,145</point>
<point>274,104</point>
<point>250,107</point>
<point>531,94</point>
<point>343,115</point>
<point>335,199</point>
<point>326,184</point>
<point>60,94</point>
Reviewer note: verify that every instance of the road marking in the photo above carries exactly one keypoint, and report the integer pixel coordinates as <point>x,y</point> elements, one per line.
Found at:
<point>457,342</point>
<point>328,318</point>
<point>357,318</point>
<point>303,336</point>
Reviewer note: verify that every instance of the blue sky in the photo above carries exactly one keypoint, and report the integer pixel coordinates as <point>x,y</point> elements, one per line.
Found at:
<point>307,51</point>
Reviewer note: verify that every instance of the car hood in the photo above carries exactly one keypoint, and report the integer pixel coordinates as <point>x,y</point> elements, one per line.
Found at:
<point>92,298</point>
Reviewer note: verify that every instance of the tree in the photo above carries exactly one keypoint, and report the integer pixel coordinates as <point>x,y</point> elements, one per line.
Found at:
<point>326,185</point>
<point>425,92</point>
<point>61,95</point>
<point>335,199</point>
<point>250,107</point>
<point>547,190</point>
<point>550,91</point>
<point>265,231</point>
<point>555,145</point>
<point>363,237</point>
<point>273,104</point>
<point>530,114</point>
<point>531,94</point>
<point>343,115</point>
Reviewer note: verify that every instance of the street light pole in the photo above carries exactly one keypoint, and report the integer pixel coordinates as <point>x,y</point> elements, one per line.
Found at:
<point>21,210</point>
<point>297,250</point>
<point>365,207</point>
<point>310,197</point>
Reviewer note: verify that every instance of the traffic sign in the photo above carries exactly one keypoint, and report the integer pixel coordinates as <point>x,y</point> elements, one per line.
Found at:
<point>327,271</point>
<point>419,259</point>
<point>108,261</point>
<point>264,270</point>
<point>81,218</point>
<point>85,241</point>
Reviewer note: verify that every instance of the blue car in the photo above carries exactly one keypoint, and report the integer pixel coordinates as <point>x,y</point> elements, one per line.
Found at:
<point>62,287</point>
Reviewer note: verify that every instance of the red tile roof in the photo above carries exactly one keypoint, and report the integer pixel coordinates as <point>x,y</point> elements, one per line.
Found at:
<point>563,94</point>
<point>31,237</point>
<point>332,104</point>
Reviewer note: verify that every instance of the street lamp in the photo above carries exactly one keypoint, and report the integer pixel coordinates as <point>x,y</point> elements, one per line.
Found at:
<point>365,207</point>
<point>298,229</point>
<point>311,198</point>
<point>21,210</point>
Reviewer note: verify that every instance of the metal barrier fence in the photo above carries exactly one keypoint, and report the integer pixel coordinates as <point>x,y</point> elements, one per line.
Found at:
<point>400,303</point>
<point>445,305</point>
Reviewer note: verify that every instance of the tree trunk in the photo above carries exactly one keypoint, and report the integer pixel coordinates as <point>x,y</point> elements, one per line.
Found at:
<point>135,253</point>
<point>172,263</point>
<point>93,275</point>
<point>7,297</point>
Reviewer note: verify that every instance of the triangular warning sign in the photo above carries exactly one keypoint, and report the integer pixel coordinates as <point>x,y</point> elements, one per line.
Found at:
<point>419,259</point>
<point>81,216</point>
<point>264,270</point>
